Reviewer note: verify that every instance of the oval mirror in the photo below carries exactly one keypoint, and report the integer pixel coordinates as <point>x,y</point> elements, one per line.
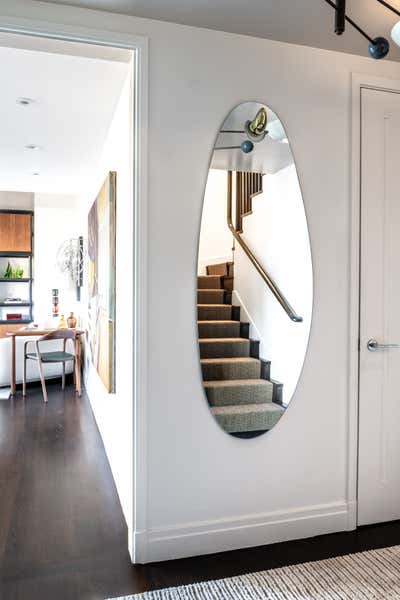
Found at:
<point>254,297</point>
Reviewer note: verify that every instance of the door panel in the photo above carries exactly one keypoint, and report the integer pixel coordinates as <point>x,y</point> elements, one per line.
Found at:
<point>379,407</point>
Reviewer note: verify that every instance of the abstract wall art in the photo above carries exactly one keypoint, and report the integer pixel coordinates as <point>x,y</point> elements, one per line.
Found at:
<point>101,282</point>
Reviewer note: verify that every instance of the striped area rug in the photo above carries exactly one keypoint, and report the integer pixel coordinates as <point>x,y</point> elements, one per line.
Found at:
<point>364,576</point>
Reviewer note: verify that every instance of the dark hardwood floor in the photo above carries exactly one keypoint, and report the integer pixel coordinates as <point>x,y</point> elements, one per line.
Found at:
<point>62,533</point>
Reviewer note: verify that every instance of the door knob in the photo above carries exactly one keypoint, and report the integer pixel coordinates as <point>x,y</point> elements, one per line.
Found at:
<point>373,345</point>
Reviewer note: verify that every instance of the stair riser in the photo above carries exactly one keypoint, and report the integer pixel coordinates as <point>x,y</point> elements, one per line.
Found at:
<point>213,349</point>
<point>238,395</point>
<point>221,269</point>
<point>209,282</point>
<point>219,330</point>
<point>219,372</point>
<point>248,422</point>
<point>211,297</point>
<point>214,313</point>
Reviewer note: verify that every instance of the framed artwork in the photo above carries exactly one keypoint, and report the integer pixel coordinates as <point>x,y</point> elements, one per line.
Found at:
<point>101,281</point>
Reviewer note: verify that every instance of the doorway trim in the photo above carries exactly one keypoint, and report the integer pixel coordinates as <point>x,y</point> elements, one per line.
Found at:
<point>359,81</point>
<point>139,46</point>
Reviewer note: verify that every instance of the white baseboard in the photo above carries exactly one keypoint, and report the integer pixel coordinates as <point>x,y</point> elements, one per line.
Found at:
<point>207,537</point>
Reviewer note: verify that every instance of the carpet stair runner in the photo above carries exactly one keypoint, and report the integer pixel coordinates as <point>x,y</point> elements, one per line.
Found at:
<point>237,382</point>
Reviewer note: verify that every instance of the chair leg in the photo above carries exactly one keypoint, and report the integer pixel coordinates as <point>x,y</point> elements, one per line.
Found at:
<point>24,378</point>
<point>63,376</point>
<point>42,380</point>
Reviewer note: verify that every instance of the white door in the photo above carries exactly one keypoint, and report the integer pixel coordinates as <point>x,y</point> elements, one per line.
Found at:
<point>379,415</point>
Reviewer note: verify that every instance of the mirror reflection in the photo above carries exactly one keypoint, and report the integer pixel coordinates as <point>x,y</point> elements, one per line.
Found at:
<point>254,297</point>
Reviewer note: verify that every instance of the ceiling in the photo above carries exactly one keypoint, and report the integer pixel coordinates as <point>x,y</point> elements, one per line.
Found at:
<point>74,98</point>
<point>269,156</point>
<point>306,22</point>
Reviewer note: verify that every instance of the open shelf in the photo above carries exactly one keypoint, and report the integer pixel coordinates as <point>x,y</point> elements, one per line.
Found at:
<point>14,304</point>
<point>15,254</point>
<point>17,250</point>
<point>18,280</point>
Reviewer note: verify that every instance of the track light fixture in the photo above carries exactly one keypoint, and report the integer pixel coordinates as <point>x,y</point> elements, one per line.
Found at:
<point>378,47</point>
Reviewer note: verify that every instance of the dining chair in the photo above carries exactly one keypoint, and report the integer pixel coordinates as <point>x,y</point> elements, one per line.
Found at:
<point>60,356</point>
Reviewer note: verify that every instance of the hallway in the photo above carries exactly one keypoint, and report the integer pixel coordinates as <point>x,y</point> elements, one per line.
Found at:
<point>62,533</point>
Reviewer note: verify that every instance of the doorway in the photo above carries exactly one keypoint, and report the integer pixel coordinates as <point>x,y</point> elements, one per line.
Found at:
<point>137,46</point>
<point>379,322</point>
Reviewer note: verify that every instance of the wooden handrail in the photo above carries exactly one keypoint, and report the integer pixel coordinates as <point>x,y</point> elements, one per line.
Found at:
<point>264,275</point>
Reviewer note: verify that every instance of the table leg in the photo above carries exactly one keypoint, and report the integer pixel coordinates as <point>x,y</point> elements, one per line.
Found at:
<point>12,373</point>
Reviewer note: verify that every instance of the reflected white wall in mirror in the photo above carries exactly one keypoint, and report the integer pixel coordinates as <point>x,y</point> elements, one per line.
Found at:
<point>253,341</point>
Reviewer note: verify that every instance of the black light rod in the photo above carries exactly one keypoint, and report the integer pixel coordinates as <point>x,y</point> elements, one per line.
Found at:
<point>340,16</point>
<point>228,148</point>
<point>392,8</point>
<point>352,23</point>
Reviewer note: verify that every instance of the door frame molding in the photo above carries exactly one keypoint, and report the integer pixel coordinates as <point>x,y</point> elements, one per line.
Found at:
<point>359,82</point>
<point>140,67</point>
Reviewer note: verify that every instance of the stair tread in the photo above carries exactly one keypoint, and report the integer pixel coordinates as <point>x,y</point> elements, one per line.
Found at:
<point>224,322</point>
<point>235,409</point>
<point>238,359</point>
<point>229,340</point>
<point>213,305</point>
<point>238,383</point>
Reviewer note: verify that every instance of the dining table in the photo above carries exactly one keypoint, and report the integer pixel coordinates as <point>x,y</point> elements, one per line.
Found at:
<point>36,332</point>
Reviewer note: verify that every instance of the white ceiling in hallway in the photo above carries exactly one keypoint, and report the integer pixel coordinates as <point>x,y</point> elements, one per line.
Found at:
<point>306,22</point>
<point>74,97</point>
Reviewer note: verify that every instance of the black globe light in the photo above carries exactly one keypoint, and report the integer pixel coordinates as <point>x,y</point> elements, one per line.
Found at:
<point>247,146</point>
<point>378,47</point>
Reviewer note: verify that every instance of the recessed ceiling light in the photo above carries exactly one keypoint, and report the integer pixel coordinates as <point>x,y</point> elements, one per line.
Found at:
<point>36,173</point>
<point>24,101</point>
<point>31,147</point>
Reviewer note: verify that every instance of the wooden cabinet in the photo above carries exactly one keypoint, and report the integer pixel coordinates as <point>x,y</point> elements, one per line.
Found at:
<point>15,232</point>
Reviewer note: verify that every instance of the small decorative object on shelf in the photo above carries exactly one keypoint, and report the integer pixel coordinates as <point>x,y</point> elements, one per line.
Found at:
<point>71,321</point>
<point>62,324</point>
<point>12,300</point>
<point>8,273</point>
<point>14,317</point>
<point>55,302</point>
<point>13,272</point>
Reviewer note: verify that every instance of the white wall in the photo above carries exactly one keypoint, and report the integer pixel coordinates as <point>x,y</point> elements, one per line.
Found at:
<point>56,220</point>
<point>215,239</point>
<point>205,490</point>
<point>16,200</point>
<point>277,233</point>
<point>113,412</point>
